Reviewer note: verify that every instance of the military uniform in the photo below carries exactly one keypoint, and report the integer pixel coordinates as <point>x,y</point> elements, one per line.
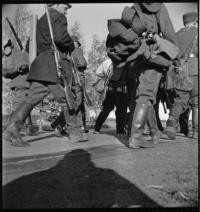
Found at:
<point>116,96</point>
<point>43,76</point>
<point>156,18</point>
<point>81,65</point>
<point>188,95</point>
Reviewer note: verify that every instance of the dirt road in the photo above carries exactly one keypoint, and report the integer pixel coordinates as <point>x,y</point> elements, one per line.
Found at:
<point>107,176</point>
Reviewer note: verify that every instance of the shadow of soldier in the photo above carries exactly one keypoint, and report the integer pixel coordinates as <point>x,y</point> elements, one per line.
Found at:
<point>74,182</point>
<point>120,137</point>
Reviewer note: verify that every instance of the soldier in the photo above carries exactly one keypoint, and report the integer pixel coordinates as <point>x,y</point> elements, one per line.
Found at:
<point>43,76</point>
<point>186,93</point>
<point>16,68</point>
<point>81,64</point>
<point>155,18</point>
<point>116,95</point>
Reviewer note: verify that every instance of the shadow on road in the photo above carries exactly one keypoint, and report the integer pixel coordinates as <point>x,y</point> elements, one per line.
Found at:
<point>74,182</point>
<point>121,137</point>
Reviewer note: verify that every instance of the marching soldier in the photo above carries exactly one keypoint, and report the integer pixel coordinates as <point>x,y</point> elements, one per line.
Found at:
<point>116,95</point>
<point>81,64</point>
<point>149,17</point>
<point>43,76</point>
<point>186,93</point>
<point>16,68</point>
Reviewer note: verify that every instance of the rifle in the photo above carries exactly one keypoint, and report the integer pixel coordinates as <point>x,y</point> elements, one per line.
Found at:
<point>78,81</point>
<point>15,34</point>
<point>60,71</point>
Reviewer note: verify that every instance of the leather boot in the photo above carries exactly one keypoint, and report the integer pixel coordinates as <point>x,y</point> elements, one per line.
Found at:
<point>183,120</point>
<point>153,127</point>
<point>139,119</point>
<point>195,123</point>
<point>86,129</point>
<point>11,133</point>
<point>171,128</point>
<point>74,129</point>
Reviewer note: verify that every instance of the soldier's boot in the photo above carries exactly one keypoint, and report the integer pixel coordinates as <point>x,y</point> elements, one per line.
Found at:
<point>195,123</point>
<point>153,127</point>
<point>173,121</point>
<point>58,125</point>
<point>183,120</point>
<point>86,128</point>
<point>171,127</point>
<point>11,133</point>
<point>74,128</point>
<point>136,139</point>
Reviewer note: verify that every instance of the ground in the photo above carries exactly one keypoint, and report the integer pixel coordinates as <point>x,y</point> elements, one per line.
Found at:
<point>99,173</point>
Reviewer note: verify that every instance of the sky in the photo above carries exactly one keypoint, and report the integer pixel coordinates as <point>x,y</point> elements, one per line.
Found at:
<point>93,16</point>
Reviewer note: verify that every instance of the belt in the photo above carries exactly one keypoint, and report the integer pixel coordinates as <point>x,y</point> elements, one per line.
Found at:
<point>122,89</point>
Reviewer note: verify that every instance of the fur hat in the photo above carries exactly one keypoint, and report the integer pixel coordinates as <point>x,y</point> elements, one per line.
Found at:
<point>190,17</point>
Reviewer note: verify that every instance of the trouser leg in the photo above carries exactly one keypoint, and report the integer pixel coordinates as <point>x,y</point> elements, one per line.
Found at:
<point>156,109</point>
<point>121,112</point>
<point>36,93</point>
<point>181,103</point>
<point>149,80</point>
<point>108,106</point>
<point>152,124</point>
<point>183,121</point>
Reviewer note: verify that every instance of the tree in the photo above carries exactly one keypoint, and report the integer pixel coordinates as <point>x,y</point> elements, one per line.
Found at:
<point>21,22</point>
<point>96,56</point>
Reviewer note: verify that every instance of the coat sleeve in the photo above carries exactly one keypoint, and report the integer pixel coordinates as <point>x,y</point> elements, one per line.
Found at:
<point>166,26</point>
<point>62,38</point>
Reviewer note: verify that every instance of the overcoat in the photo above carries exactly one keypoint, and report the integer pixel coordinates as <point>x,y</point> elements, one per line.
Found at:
<point>43,67</point>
